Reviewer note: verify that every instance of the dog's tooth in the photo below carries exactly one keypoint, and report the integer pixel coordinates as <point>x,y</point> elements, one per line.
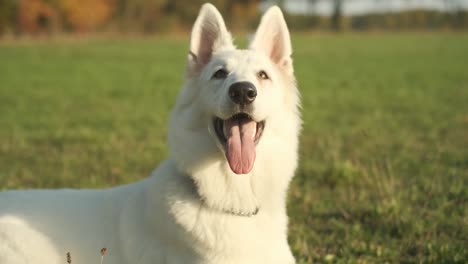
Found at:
<point>254,132</point>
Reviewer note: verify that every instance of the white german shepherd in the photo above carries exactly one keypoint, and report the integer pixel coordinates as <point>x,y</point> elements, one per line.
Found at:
<point>220,198</point>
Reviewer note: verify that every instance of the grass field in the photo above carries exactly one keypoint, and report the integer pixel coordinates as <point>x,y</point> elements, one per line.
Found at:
<point>383,175</point>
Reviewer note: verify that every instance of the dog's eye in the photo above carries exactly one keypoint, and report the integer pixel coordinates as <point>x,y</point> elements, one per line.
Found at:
<point>262,75</point>
<point>220,74</point>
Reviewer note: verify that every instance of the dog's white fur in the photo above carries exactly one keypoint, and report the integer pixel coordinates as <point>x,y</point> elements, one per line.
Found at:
<point>193,208</point>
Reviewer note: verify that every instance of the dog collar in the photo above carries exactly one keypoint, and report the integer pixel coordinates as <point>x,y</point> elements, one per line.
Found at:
<point>222,210</point>
<point>231,212</point>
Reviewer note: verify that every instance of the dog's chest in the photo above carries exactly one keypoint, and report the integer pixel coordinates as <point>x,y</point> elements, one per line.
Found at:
<point>221,238</point>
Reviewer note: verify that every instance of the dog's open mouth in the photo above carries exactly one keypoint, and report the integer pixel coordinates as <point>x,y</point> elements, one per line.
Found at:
<point>239,134</point>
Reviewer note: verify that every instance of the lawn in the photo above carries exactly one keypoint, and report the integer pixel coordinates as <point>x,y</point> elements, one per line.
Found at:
<point>383,175</point>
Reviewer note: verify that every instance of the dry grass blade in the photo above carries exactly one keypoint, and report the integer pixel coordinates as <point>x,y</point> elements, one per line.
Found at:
<point>103,253</point>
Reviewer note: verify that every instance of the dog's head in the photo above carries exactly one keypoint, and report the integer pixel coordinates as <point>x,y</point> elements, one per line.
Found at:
<point>232,98</point>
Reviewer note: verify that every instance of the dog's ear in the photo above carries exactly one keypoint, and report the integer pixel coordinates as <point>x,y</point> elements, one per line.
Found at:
<point>272,37</point>
<point>209,34</point>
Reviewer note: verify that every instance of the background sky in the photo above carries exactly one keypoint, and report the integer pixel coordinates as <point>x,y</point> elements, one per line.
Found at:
<point>358,7</point>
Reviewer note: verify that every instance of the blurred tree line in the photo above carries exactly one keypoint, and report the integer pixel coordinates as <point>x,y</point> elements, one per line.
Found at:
<point>456,19</point>
<point>148,16</point>
<point>145,16</point>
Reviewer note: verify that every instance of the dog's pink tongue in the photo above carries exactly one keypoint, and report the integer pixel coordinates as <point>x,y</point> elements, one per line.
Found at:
<point>240,150</point>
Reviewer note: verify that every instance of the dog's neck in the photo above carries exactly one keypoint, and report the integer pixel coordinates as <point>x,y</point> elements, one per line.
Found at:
<point>221,190</point>
<point>206,204</point>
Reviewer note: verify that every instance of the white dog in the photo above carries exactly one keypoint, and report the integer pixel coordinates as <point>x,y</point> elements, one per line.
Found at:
<point>220,198</point>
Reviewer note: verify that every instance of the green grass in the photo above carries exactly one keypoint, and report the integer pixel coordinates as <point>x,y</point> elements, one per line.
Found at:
<point>383,175</point>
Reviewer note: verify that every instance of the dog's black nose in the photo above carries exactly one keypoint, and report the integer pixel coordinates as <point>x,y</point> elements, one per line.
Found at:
<point>242,93</point>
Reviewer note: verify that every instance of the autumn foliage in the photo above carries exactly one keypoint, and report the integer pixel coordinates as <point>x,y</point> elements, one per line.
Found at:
<point>36,16</point>
<point>86,15</point>
<point>48,16</point>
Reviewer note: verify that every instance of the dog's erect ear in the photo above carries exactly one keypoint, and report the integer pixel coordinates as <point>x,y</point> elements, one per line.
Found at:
<point>209,34</point>
<point>272,37</point>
